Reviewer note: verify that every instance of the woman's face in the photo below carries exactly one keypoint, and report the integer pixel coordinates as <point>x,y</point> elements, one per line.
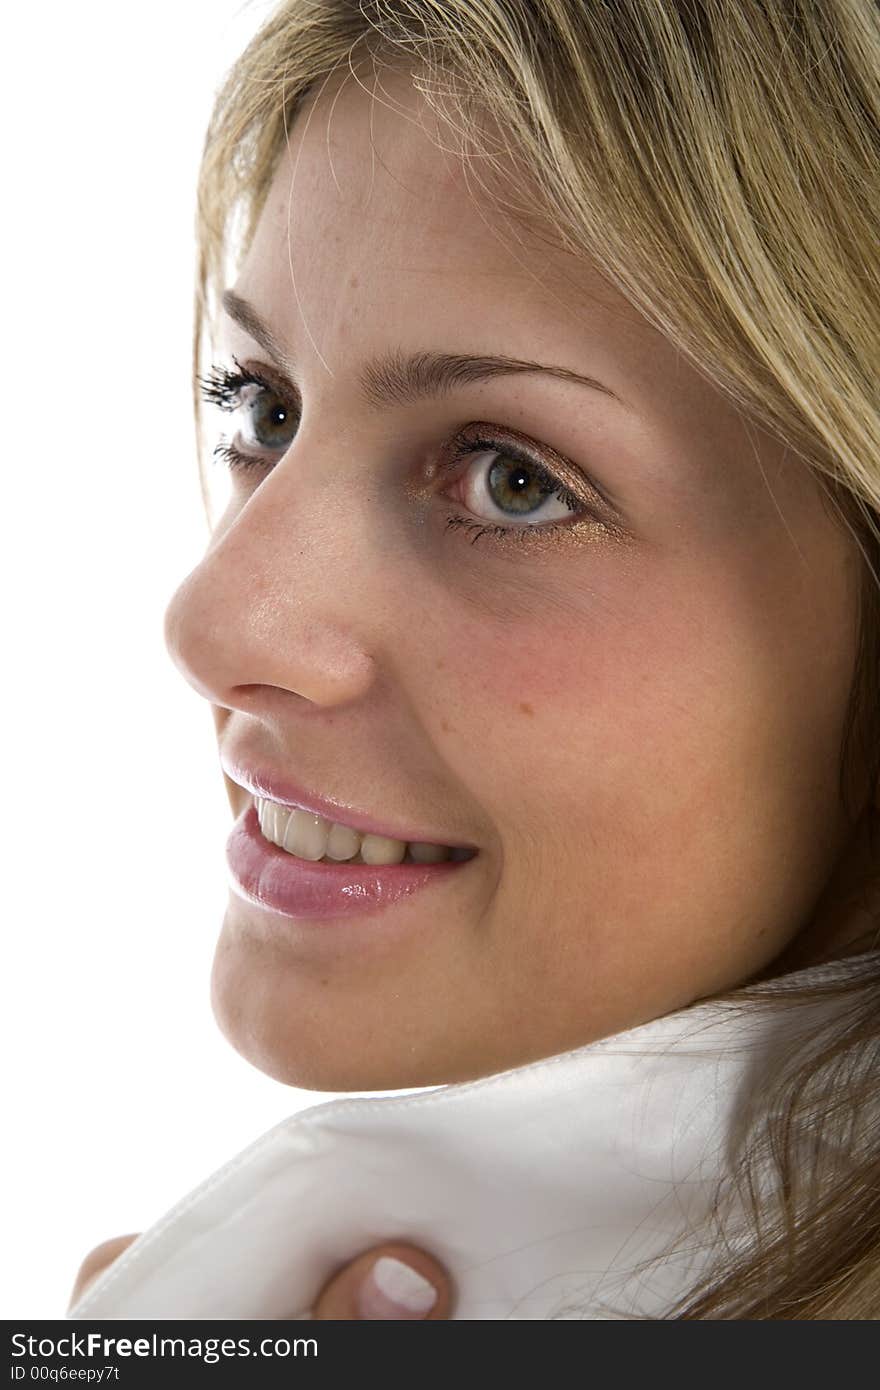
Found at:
<point>635,717</point>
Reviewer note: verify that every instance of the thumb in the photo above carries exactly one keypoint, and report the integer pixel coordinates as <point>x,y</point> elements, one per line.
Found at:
<point>390,1281</point>
<point>95,1262</point>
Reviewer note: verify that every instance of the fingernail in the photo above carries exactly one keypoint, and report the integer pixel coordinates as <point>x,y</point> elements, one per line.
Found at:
<point>394,1290</point>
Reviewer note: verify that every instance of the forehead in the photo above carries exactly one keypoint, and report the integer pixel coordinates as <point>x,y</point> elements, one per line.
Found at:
<point>373,221</point>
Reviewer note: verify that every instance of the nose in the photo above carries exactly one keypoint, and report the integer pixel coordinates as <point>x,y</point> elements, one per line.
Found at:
<point>271,604</point>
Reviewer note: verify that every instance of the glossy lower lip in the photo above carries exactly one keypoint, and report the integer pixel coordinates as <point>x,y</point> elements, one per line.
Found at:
<point>271,878</point>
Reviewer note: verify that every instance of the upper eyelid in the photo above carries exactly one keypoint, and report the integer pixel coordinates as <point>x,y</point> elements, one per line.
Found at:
<point>542,456</point>
<point>520,447</point>
<point>478,438</point>
<point>275,379</point>
<point>220,382</point>
<point>530,452</point>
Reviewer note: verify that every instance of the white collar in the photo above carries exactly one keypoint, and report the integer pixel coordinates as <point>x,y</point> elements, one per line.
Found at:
<point>541,1189</point>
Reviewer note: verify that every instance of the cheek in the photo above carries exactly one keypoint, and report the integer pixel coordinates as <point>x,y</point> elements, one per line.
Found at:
<point>675,749</point>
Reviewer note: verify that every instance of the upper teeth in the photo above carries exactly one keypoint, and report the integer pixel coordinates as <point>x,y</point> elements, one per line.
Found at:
<point>313,837</point>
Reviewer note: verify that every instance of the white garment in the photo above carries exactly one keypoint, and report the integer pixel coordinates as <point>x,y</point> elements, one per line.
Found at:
<point>541,1189</point>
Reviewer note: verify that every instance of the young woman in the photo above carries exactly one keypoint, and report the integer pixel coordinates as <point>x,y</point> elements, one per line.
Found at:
<point>540,621</point>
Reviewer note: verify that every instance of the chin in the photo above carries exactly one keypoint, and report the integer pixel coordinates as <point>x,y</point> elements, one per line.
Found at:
<point>306,1067</point>
<point>288,1023</point>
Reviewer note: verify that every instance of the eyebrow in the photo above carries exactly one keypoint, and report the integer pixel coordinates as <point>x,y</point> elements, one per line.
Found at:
<point>395,379</point>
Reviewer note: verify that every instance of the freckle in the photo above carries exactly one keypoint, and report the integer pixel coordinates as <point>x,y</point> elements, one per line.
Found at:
<point>354,282</point>
<point>440,664</point>
<point>526,708</point>
<point>447,729</point>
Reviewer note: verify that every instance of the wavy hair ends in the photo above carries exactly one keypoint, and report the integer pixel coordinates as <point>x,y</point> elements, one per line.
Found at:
<point>718,162</point>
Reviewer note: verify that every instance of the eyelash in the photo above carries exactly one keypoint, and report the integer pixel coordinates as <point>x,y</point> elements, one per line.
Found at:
<point>222,388</point>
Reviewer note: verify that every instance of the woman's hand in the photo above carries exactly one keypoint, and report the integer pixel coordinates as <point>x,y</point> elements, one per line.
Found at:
<point>95,1262</point>
<point>389,1281</point>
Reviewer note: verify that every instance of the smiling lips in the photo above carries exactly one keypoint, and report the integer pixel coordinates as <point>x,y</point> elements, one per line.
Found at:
<point>315,838</point>
<point>280,881</point>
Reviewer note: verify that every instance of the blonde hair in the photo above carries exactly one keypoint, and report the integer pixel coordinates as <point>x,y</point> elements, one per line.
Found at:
<point>719,162</point>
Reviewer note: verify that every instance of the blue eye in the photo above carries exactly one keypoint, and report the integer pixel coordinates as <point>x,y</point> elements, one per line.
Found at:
<point>516,485</point>
<point>269,418</point>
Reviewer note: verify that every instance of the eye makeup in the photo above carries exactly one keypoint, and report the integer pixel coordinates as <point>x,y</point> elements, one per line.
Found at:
<point>249,387</point>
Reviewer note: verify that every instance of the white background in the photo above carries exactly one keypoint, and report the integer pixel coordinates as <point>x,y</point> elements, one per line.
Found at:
<point>120,1093</point>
